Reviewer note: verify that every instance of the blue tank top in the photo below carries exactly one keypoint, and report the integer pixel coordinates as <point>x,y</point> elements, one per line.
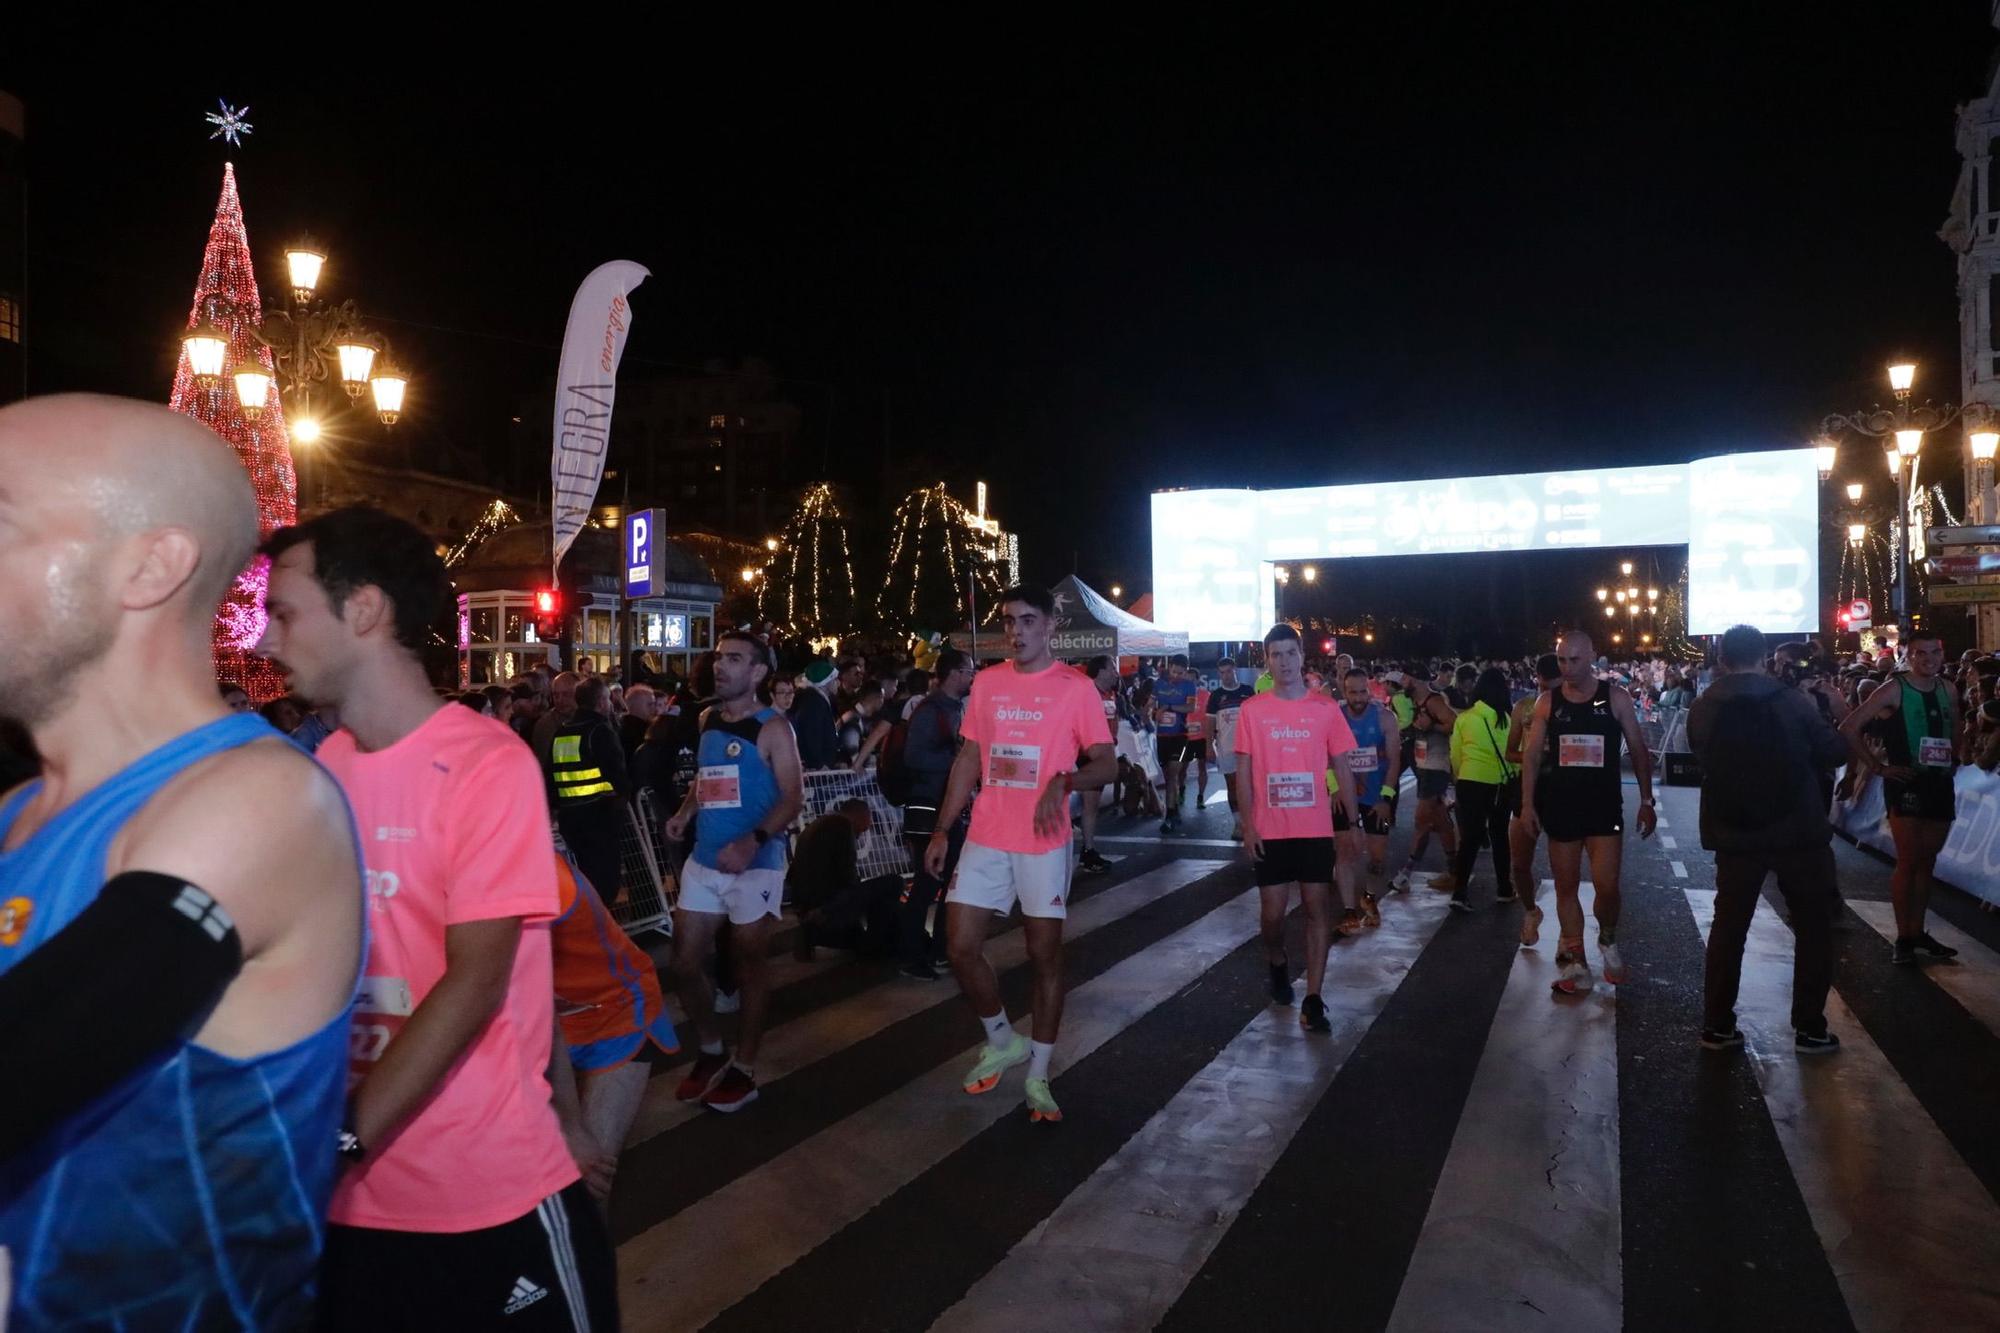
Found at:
<point>1367,731</point>
<point>734,788</point>
<point>193,1194</point>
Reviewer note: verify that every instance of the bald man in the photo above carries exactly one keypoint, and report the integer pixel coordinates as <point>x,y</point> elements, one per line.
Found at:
<point>1572,788</point>
<point>181,902</point>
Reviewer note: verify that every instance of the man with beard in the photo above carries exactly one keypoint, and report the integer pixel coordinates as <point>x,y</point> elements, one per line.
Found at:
<point>181,923</point>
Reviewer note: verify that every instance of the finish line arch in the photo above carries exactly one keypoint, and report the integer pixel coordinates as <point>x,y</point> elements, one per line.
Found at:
<point>1750,522</point>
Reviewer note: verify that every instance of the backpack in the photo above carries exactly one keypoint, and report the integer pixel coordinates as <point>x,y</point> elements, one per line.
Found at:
<point>892,775</point>
<point>1750,768</point>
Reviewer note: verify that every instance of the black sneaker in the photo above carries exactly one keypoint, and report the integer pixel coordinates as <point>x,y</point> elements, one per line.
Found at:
<point>1822,1043</point>
<point>1721,1041</point>
<point>1281,983</point>
<point>1906,953</point>
<point>1503,897</point>
<point>1932,947</point>
<point>1092,862</point>
<point>921,970</point>
<point>1312,1015</point>
<point>1460,903</point>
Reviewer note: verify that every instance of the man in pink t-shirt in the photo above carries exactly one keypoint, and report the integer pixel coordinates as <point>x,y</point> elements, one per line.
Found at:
<point>459,1202</point>
<point>1286,741</point>
<point>1034,731</point>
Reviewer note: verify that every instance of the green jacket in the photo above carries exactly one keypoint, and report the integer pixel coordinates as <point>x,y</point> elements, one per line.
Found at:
<point>1478,742</point>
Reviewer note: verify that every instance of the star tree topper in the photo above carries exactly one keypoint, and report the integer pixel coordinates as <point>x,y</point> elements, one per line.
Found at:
<point>229,123</point>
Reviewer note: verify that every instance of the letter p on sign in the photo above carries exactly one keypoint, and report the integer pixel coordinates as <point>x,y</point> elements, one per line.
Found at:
<point>641,538</point>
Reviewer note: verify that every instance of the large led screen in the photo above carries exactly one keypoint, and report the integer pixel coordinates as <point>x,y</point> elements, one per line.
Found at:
<point>1750,523</point>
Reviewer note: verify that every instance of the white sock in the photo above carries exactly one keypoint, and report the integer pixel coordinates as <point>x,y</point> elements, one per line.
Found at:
<point>712,1047</point>
<point>1038,1058</point>
<point>998,1029</point>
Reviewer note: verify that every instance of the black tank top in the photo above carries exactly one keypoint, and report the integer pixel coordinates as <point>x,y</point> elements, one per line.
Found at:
<point>1585,741</point>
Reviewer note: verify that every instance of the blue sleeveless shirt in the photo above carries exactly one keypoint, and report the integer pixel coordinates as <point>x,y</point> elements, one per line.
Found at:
<point>734,787</point>
<point>193,1194</point>
<point>1367,731</point>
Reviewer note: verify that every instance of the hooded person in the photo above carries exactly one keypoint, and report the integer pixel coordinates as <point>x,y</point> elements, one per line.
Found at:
<point>812,715</point>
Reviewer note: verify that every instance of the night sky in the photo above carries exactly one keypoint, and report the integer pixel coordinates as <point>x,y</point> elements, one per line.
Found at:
<point>1095,263</point>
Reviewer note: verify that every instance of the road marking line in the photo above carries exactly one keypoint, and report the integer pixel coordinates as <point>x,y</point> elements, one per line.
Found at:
<point>1680,869</point>
<point>1973,980</point>
<point>1669,843</point>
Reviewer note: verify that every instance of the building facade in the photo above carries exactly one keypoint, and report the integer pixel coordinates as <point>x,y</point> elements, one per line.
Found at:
<point>1973,231</point>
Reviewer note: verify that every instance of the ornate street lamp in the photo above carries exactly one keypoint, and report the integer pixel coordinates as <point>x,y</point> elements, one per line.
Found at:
<point>1854,492</point>
<point>1828,453</point>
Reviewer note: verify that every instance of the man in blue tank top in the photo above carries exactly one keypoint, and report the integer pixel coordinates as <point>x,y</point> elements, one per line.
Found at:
<point>181,922</point>
<point>1376,763</point>
<point>747,790</point>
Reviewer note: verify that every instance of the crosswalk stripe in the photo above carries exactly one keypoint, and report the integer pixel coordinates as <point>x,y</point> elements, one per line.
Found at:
<point>1974,981</point>
<point>1667,841</point>
<point>769,1218</point>
<point>1680,869</point>
<point>1170,841</point>
<point>1913,1237</point>
<point>813,1036</point>
<point>1125,1243</point>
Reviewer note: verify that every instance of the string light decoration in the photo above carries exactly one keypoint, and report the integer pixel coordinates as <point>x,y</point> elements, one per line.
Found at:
<point>227,292</point>
<point>499,514</point>
<point>935,544</point>
<point>811,587</point>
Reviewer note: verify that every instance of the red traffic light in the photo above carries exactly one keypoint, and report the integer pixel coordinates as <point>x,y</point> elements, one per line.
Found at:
<point>546,602</point>
<point>1326,645</point>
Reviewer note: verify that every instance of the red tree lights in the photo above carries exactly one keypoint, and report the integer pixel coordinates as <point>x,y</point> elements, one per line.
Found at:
<point>226,295</point>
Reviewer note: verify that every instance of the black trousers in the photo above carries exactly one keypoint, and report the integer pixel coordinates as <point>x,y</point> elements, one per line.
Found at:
<point>552,1268</point>
<point>1806,879</point>
<point>1483,809</point>
<point>925,888</point>
<point>592,832</point>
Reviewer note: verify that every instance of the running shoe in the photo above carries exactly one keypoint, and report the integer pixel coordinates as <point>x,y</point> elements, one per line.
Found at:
<point>1815,1043</point>
<point>921,970</point>
<point>1092,862</point>
<point>1905,953</point>
<point>732,1092</point>
<point>1712,1040</point>
<point>1531,927</point>
<point>995,1061</point>
<point>702,1076</point>
<point>1460,903</point>
<point>1930,946</point>
<point>1042,1108</point>
<point>1400,882</point>
<point>1350,921</point>
<point>1312,1015</point>
<point>1281,983</point>
<point>1371,910</point>
<point>728,1001</point>
<point>1574,979</point>
<point>1614,966</point>
<point>1506,897</point>
<point>1445,883</point>
<point>1171,824</point>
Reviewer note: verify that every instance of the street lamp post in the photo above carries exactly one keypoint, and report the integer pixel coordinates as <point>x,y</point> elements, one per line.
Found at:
<point>1906,425</point>
<point>311,342</point>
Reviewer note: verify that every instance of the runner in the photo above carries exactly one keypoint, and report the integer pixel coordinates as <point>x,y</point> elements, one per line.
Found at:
<point>1034,731</point>
<point>1430,757</point>
<point>1103,673</point>
<point>1225,705</point>
<point>1375,762</point>
<point>746,793</point>
<point>181,902</point>
<point>1286,741</point>
<point>1906,734</point>
<point>1521,842</point>
<point>458,1195</point>
<point>1484,780</point>
<point>1572,787</point>
<point>1198,742</point>
<point>1173,700</point>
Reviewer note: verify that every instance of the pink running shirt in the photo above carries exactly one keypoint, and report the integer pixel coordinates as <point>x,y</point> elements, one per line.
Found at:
<point>454,828</point>
<point>1029,726</point>
<point>1291,744</point>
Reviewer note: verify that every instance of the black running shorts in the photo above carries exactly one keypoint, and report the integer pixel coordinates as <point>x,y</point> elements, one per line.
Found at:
<point>1295,861</point>
<point>1571,814</point>
<point>1931,796</point>
<point>1179,749</point>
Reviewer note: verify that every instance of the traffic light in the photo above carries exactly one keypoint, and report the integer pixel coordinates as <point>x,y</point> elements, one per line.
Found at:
<point>1326,645</point>
<point>548,615</point>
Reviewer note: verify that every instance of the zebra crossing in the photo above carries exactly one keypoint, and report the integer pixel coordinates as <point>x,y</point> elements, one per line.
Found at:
<point>1463,1152</point>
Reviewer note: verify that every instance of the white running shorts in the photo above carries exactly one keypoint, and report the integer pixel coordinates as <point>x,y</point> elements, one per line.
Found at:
<point>743,898</point>
<point>996,880</point>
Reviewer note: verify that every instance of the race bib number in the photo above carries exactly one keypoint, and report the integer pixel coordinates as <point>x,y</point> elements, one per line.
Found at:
<point>1014,766</point>
<point>1934,752</point>
<point>718,787</point>
<point>1580,751</point>
<point>1362,759</point>
<point>1290,791</point>
<point>1423,750</point>
<point>1169,719</point>
<point>1111,708</point>
<point>382,1007</point>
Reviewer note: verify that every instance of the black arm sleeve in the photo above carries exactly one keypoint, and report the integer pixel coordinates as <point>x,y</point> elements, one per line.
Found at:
<point>140,968</point>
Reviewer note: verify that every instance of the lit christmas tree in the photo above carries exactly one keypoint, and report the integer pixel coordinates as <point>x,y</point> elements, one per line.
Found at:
<point>934,547</point>
<point>809,586</point>
<point>226,293</point>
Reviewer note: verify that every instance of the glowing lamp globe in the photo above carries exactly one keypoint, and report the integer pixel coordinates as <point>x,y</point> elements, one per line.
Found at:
<point>1828,455</point>
<point>1902,376</point>
<point>357,359</point>
<point>388,384</point>
<point>1985,443</point>
<point>1854,491</point>
<point>306,430</point>
<point>1908,442</point>
<point>302,264</point>
<point>253,388</point>
<point>207,348</point>
<point>1856,533</point>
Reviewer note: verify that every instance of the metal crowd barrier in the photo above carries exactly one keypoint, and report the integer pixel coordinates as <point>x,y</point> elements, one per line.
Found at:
<point>1664,730</point>
<point>646,873</point>
<point>883,851</point>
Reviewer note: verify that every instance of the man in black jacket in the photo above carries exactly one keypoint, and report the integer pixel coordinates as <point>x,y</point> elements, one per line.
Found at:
<point>1762,745</point>
<point>929,747</point>
<point>813,716</point>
